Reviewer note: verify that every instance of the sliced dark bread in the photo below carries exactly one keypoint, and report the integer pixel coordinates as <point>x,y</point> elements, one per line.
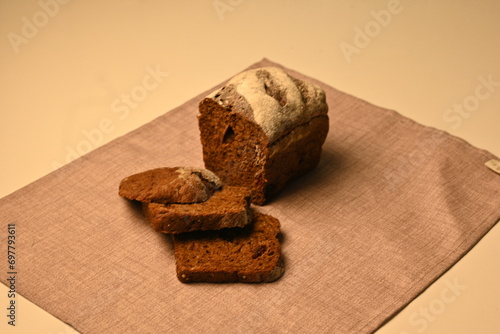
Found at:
<point>228,207</point>
<point>246,254</point>
<point>170,185</point>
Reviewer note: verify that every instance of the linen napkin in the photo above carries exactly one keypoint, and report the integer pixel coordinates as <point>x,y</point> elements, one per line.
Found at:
<point>392,205</point>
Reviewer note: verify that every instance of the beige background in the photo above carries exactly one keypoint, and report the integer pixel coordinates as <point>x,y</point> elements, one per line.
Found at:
<point>68,68</point>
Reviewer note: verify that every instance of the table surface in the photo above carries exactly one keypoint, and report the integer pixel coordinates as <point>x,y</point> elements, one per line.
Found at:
<point>77,74</point>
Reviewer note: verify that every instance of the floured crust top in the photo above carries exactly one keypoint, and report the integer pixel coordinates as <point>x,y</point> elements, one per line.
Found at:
<point>273,99</point>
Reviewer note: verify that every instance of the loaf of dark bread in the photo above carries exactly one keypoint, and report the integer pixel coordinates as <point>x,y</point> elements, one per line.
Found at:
<point>249,254</point>
<point>262,129</point>
<point>227,207</point>
<point>170,185</point>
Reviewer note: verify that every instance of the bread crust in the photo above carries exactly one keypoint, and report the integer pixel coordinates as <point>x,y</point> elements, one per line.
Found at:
<point>170,185</point>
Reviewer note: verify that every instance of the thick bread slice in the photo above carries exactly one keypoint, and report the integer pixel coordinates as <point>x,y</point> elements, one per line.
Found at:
<point>228,207</point>
<point>170,185</point>
<point>249,254</point>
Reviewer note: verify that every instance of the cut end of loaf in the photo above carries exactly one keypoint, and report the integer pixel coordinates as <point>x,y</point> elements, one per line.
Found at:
<point>234,148</point>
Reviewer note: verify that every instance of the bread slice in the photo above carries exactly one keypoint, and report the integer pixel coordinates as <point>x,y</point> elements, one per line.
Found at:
<point>170,185</point>
<point>228,207</point>
<point>263,129</point>
<point>249,254</point>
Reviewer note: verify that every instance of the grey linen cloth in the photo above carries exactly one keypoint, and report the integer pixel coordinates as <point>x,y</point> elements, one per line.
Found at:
<point>392,205</point>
